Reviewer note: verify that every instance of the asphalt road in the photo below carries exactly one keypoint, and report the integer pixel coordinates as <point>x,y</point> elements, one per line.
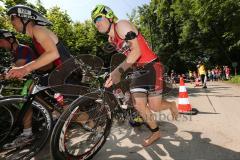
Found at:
<point>212,134</point>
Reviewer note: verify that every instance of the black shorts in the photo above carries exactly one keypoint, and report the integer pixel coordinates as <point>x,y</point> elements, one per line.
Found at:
<point>148,78</point>
<point>202,77</point>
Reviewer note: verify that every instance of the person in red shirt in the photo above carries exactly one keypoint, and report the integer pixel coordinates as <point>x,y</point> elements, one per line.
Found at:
<point>147,89</point>
<point>227,72</point>
<point>49,49</point>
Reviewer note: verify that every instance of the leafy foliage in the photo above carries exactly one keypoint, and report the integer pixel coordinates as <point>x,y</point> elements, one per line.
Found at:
<point>235,79</point>
<point>181,32</point>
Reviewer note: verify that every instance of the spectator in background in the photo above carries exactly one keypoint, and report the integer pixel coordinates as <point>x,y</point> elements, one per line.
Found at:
<point>209,74</point>
<point>227,72</point>
<point>202,74</point>
<point>196,79</point>
<point>213,75</point>
<point>173,76</point>
<point>190,76</point>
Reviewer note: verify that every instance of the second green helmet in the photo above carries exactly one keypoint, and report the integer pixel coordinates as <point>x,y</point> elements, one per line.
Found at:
<point>102,10</point>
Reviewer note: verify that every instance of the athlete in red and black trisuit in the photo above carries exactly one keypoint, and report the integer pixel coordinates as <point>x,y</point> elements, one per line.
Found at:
<point>147,89</point>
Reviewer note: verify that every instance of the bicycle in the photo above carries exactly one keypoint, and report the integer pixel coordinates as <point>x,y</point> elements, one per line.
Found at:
<point>41,100</point>
<point>71,140</point>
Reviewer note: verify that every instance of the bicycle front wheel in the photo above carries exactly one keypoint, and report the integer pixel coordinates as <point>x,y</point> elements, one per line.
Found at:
<point>41,126</point>
<point>81,130</point>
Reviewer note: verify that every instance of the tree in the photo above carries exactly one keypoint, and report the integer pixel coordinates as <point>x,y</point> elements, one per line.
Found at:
<point>62,26</point>
<point>183,32</point>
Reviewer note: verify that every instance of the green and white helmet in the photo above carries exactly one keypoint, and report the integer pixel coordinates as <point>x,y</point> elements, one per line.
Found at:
<point>102,10</point>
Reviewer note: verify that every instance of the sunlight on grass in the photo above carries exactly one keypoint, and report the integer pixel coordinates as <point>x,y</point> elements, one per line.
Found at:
<point>235,79</point>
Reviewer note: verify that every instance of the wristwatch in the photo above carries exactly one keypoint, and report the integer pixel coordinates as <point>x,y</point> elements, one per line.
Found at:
<point>121,70</point>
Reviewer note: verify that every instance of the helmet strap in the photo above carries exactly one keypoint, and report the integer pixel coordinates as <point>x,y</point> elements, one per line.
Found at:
<point>12,45</point>
<point>25,23</point>
<point>11,42</point>
<point>109,28</point>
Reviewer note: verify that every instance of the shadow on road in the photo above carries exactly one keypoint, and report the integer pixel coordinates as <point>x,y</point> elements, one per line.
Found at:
<point>169,146</point>
<point>125,141</point>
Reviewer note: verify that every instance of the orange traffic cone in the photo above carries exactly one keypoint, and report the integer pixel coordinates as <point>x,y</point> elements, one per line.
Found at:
<point>184,106</point>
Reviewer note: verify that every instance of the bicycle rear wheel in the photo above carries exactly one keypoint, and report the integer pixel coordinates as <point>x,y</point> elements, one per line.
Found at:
<point>75,139</point>
<point>6,122</point>
<point>41,126</point>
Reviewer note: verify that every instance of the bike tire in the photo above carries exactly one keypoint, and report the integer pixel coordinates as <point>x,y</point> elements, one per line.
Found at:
<point>41,126</point>
<point>58,145</point>
<point>6,122</point>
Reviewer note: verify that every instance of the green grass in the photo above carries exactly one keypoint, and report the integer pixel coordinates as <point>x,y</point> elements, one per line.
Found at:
<point>235,79</point>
